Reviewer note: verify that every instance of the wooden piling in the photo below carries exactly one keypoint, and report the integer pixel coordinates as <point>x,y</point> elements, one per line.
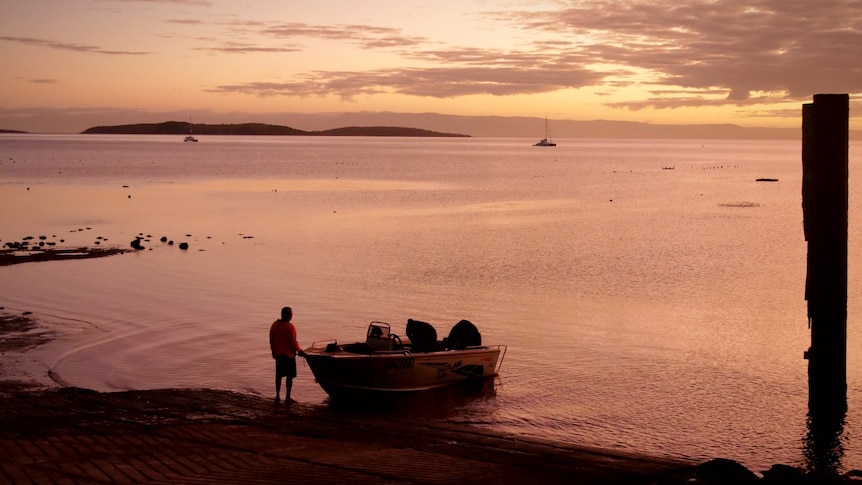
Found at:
<point>825,142</point>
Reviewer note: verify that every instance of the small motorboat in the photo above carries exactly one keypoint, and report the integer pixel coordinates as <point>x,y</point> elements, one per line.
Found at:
<point>190,138</point>
<point>386,364</point>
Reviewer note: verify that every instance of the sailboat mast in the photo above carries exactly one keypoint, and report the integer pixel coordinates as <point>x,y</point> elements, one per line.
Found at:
<point>546,141</point>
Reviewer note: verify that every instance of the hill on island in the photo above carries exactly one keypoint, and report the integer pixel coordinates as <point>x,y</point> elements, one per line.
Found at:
<point>183,128</point>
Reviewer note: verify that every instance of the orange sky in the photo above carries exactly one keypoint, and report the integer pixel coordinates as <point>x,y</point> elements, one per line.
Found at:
<point>751,63</point>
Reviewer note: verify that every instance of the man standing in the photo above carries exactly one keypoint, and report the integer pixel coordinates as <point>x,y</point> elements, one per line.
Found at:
<point>285,348</point>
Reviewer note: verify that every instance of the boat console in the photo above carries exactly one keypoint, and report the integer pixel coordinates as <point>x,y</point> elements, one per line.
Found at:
<point>380,338</point>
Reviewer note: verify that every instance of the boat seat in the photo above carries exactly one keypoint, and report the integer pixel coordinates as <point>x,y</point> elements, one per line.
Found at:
<point>379,343</point>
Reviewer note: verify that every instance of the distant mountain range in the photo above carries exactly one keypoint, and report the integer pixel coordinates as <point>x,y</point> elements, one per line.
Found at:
<point>384,123</point>
<point>183,128</point>
<point>529,127</point>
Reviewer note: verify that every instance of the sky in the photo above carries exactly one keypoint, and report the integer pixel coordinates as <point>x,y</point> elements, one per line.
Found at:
<point>751,62</point>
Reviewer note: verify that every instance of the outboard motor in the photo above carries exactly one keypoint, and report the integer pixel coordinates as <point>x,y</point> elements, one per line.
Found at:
<point>423,336</point>
<point>464,334</point>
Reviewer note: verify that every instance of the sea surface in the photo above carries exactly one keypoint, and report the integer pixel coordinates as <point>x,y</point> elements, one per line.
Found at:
<point>650,293</point>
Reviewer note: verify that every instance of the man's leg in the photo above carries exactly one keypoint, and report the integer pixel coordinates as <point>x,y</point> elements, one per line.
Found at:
<point>288,385</point>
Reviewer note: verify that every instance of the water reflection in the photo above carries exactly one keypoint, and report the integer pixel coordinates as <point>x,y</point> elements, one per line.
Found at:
<point>824,442</point>
<point>466,403</point>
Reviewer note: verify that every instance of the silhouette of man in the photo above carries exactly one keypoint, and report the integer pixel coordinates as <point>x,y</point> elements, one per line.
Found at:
<point>285,348</point>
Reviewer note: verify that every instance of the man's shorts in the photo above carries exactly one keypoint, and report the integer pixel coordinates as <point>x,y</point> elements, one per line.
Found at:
<point>285,366</point>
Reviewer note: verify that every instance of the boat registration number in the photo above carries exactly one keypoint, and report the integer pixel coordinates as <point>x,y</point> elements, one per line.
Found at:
<point>403,363</point>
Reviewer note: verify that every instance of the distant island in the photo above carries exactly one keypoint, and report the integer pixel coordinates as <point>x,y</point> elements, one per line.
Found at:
<point>183,128</point>
<point>12,131</point>
<point>383,123</point>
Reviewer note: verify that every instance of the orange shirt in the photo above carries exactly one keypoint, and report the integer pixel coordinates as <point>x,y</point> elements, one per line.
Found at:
<point>282,339</point>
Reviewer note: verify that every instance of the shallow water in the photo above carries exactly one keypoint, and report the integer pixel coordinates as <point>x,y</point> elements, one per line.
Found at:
<point>645,309</point>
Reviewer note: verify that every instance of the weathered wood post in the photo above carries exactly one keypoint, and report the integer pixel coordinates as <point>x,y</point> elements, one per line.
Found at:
<point>824,208</point>
<point>825,146</point>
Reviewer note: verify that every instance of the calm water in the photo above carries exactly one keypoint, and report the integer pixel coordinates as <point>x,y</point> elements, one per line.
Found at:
<point>645,309</point>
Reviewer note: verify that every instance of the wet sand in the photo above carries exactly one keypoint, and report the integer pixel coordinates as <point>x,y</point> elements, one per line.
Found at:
<point>212,436</point>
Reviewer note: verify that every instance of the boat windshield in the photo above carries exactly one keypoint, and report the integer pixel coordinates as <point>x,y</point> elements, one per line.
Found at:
<point>378,330</point>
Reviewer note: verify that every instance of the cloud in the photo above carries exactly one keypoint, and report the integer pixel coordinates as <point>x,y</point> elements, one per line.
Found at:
<point>439,72</point>
<point>42,81</point>
<point>187,21</point>
<point>690,99</point>
<point>228,23</point>
<point>87,49</point>
<point>437,82</point>
<point>740,46</point>
<point>366,36</point>
<point>202,3</point>
<point>697,53</point>
<point>243,48</point>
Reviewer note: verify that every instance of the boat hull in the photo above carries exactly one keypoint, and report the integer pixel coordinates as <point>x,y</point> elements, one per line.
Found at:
<point>391,373</point>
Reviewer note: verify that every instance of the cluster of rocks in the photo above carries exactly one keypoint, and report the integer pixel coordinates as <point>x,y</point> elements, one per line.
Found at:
<point>722,471</point>
<point>137,241</point>
<point>34,243</point>
<point>27,245</point>
<point>43,242</point>
<point>47,248</point>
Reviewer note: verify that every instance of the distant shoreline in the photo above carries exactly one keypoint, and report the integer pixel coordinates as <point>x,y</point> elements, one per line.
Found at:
<point>182,128</point>
<point>476,126</point>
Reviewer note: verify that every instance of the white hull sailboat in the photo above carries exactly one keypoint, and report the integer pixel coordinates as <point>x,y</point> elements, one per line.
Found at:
<point>190,137</point>
<point>546,141</point>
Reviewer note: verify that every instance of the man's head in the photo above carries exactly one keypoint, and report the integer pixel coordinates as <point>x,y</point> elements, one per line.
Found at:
<point>286,314</point>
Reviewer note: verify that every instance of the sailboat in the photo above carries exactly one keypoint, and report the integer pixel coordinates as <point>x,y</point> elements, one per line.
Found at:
<point>546,141</point>
<point>190,137</point>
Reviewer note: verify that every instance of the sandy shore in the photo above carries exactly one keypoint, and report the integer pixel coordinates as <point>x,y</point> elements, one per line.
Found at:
<point>211,436</point>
